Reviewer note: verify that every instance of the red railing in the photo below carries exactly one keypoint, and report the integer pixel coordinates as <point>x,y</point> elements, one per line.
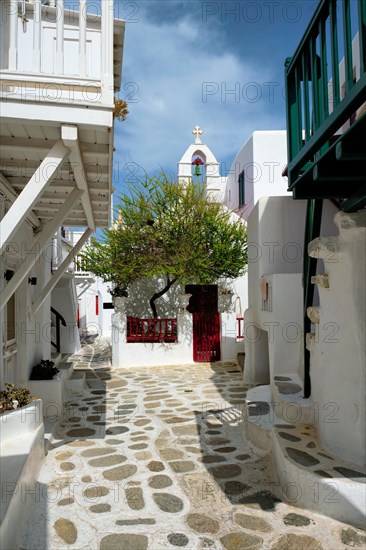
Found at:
<point>240,328</point>
<point>151,330</point>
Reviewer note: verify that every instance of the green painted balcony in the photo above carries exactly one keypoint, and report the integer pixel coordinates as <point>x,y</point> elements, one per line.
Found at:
<point>326,106</point>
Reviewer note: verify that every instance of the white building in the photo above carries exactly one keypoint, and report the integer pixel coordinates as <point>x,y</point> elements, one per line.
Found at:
<point>257,171</point>
<point>305,323</point>
<point>55,66</point>
<point>210,329</point>
<point>59,69</point>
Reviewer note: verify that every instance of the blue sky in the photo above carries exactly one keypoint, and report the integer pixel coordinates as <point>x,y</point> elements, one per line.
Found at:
<point>218,64</point>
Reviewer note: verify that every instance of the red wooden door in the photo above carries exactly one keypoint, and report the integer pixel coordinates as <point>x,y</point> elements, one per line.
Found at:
<point>206,322</point>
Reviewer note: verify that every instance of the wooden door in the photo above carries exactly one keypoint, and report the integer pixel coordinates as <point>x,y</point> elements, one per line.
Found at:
<point>206,322</point>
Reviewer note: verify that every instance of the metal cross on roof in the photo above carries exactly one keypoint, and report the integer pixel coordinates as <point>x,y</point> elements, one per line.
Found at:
<point>197,132</point>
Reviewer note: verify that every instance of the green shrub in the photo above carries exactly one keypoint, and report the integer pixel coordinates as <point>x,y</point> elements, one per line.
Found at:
<point>44,370</point>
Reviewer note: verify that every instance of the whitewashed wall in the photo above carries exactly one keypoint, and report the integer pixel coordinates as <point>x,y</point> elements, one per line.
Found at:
<point>62,299</point>
<point>141,292</point>
<point>105,315</point>
<point>147,354</point>
<point>89,321</point>
<point>32,333</point>
<point>275,249</point>
<point>263,158</point>
<point>338,348</point>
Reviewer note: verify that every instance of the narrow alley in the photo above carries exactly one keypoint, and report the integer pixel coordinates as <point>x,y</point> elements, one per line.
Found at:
<point>153,458</point>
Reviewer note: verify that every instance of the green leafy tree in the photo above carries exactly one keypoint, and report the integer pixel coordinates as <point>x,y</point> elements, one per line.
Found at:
<point>170,231</point>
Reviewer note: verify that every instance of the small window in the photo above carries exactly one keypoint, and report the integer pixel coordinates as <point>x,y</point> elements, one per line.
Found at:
<point>241,182</point>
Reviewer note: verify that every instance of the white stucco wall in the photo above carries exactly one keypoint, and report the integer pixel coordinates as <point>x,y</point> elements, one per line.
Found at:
<point>230,347</point>
<point>32,333</point>
<point>275,250</point>
<point>62,299</point>
<point>338,348</point>
<point>140,293</point>
<point>89,322</point>
<point>263,158</point>
<point>136,355</point>
<point>105,315</point>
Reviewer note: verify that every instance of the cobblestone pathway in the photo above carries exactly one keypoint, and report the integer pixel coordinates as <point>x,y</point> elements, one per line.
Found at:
<point>139,462</point>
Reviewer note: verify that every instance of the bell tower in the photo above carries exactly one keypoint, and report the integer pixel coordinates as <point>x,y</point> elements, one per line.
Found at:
<point>199,164</point>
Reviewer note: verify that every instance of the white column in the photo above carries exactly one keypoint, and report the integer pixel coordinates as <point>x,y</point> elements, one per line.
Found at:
<point>60,37</point>
<point>82,38</point>
<point>69,136</point>
<point>103,41</point>
<point>13,32</point>
<point>107,49</point>
<point>37,30</point>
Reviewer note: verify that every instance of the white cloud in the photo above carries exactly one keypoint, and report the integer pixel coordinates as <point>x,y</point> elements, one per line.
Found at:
<point>169,66</point>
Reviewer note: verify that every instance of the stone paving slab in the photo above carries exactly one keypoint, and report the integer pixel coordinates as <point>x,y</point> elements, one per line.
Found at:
<point>155,458</point>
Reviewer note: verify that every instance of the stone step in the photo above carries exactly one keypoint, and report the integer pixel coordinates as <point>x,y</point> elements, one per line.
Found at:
<point>288,399</point>
<point>326,248</point>
<point>259,417</point>
<point>321,280</point>
<point>310,340</point>
<point>56,358</point>
<point>76,381</point>
<point>313,312</point>
<point>310,477</point>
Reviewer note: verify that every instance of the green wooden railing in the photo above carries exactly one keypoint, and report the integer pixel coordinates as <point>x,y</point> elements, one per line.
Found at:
<point>319,101</point>
<point>316,106</point>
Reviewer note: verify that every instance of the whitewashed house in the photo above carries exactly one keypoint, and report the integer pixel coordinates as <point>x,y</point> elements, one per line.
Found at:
<point>59,73</point>
<point>59,70</point>
<point>94,301</point>
<point>305,323</point>
<point>256,171</point>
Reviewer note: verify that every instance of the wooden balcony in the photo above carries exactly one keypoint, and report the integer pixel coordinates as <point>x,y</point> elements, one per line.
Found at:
<point>58,56</point>
<point>326,95</point>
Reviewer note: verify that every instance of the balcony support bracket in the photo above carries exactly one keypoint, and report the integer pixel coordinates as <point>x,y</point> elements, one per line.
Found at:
<point>23,205</point>
<point>39,243</point>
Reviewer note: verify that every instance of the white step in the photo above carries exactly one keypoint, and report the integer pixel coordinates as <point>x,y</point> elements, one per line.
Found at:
<point>76,381</point>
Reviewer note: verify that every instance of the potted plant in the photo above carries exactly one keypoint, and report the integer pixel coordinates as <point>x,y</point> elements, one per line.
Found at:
<point>46,382</point>
<point>44,370</point>
<point>13,398</point>
<point>22,451</point>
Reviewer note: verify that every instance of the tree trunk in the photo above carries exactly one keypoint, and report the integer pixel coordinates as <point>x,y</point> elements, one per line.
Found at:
<point>169,283</point>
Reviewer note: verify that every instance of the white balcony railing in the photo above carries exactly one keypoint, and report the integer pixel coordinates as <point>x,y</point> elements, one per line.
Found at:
<point>58,43</point>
